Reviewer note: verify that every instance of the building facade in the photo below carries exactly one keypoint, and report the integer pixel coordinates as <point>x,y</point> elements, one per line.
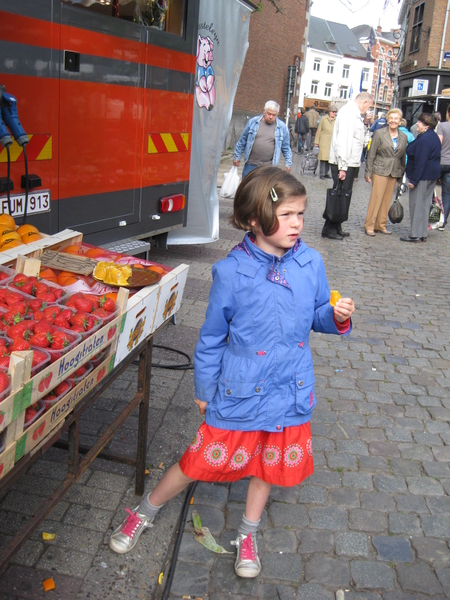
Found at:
<point>336,69</point>
<point>276,42</point>
<point>424,57</point>
<point>381,46</point>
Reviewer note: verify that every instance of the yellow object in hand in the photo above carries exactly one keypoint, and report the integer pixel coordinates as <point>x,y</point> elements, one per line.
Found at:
<point>334,297</point>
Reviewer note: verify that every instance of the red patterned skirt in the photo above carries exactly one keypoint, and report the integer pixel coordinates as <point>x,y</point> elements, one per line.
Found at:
<point>283,458</point>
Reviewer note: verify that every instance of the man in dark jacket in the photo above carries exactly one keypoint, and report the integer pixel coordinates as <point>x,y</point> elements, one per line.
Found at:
<point>301,129</point>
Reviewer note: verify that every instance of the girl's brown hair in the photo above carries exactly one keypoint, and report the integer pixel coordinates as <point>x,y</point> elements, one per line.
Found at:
<point>255,195</point>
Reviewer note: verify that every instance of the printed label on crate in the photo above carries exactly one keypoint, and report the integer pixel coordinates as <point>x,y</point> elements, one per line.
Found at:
<point>36,433</point>
<point>137,325</point>
<point>7,460</point>
<point>22,400</point>
<point>172,288</point>
<point>49,378</point>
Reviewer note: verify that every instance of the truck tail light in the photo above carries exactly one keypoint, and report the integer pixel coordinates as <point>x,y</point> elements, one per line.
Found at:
<point>172,203</point>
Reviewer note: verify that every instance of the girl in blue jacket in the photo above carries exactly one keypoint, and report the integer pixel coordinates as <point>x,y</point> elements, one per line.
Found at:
<point>254,378</point>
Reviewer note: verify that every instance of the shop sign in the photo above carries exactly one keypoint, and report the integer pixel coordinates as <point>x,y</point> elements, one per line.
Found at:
<point>420,87</point>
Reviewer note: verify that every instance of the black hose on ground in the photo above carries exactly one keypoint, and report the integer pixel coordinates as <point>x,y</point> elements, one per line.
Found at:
<point>182,367</point>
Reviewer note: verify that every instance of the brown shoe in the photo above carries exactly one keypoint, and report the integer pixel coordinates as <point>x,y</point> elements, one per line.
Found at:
<point>385,231</point>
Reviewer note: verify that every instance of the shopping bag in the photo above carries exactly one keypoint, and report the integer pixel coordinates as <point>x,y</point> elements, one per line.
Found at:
<point>395,213</point>
<point>337,204</point>
<point>436,217</point>
<point>230,184</point>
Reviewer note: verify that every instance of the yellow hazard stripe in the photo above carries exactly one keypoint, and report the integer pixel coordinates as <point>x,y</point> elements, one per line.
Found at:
<point>39,147</point>
<point>46,152</point>
<point>161,143</point>
<point>151,146</point>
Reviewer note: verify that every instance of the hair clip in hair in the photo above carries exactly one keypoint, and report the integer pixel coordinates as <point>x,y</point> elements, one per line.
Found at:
<point>273,195</point>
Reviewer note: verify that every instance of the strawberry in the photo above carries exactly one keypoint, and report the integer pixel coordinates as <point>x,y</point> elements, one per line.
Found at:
<point>91,322</point>
<point>61,321</point>
<point>79,372</point>
<point>102,313</point>
<point>51,312</point>
<point>67,313</point>
<point>36,304</point>
<point>3,275</point>
<point>38,358</point>
<point>12,318</point>
<point>23,283</point>
<point>19,279</point>
<point>4,361</point>
<point>30,413</point>
<point>60,340</point>
<point>79,318</point>
<point>43,326</point>
<point>24,329</point>
<point>107,304</point>
<point>20,344</point>
<point>12,297</point>
<point>47,380</point>
<point>77,328</point>
<point>58,292</point>
<point>41,287</point>
<point>62,388</point>
<point>48,297</point>
<point>41,340</point>
<point>84,304</point>
<point>4,382</point>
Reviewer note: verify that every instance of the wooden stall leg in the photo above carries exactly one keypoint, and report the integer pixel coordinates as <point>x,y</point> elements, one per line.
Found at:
<point>145,370</point>
<point>73,447</point>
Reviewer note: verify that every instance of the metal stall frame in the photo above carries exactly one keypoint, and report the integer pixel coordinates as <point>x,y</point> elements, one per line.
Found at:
<point>77,466</point>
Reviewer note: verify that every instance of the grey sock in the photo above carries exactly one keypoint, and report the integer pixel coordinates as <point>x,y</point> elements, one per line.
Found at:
<point>148,509</point>
<point>248,526</point>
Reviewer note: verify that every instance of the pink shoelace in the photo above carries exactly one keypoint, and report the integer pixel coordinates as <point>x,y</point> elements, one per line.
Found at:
<point>247,549</point>
<point>131,524</point>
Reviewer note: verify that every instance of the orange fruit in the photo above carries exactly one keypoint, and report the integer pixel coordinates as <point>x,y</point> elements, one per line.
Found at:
<point>10,244</point>
<point>6,219</point>
<point>27,228</point>
<point>97,252</point>
<point>10,235</point>
<point>159,270</point>
<point>66,278</point>
<point>30,237</point>
<point>112,295</point>
<point>5,229</point>
<point>137,266</point>
<point>334,297</point>
<point>73,249</point>
<point>48,274</point>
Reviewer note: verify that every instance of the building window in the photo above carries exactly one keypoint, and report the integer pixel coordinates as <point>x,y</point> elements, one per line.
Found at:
<point>380,68</point>
<point>327,92</point>
<point>343,93</point>
<point>314,86</point>
<point>417,27</point>
<point>330,68</point>
<point>346,72</point>
<point>385,93</point>
<point>316,66</point>
<point>365,77</point>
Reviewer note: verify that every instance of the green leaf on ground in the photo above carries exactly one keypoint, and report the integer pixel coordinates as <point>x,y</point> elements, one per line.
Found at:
<point>204,537</point>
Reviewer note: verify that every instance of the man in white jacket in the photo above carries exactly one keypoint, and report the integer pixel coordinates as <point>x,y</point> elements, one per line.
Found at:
<point>345,152</point>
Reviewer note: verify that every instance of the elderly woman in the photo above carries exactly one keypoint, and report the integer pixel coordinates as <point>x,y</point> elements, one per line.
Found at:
<point>385,166</point>
<point>323,140</point>
<point>423,170</point>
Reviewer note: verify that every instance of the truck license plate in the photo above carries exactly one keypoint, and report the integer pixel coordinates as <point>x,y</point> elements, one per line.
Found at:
<point>38,202</point>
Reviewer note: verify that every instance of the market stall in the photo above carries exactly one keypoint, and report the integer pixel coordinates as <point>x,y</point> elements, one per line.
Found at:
<point>71,340</point>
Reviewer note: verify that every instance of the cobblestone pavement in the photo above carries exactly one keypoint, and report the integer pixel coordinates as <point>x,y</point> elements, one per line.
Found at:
<point>372,520</point>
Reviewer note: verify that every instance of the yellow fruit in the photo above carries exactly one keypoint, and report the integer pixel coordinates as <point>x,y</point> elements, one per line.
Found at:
<point>6,219</point>
<point>334,297</point>
<point>27,228</point>
<point>10,235</point>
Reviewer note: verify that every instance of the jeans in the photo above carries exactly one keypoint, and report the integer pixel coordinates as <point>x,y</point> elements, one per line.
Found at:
<point>445,180</point>
<point>301,141</point>
<point>247,168</point>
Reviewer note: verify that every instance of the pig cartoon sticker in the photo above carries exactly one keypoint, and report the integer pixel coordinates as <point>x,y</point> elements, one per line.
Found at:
<point>204,85</point>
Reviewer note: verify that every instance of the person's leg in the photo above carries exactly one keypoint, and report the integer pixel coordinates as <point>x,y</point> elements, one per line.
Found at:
<point>247,560</point>
<point>126,536</point>
<point>430,184</point>
<point>414,196</point>
<point>376,196</point>
<point>327,170</point>
<point>247,168</point>
<point>385,202</point>
<point>445,180</point>
<point>322,168</point>
<point>329,227</point>
<point>347,187</point>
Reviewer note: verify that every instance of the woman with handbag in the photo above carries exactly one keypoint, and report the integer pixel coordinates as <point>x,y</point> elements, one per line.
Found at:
<point>423,170</point>
<point>386,162</point>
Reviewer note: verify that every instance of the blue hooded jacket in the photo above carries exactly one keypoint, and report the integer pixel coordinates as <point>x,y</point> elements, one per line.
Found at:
<point>253,363</point>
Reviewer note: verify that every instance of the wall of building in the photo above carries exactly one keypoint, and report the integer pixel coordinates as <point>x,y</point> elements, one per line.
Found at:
<point>275,39</point>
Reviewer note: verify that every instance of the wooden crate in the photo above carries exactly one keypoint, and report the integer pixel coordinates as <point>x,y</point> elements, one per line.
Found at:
<point>35,249</point>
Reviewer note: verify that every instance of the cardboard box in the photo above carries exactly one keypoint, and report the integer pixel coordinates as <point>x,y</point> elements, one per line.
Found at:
<point>35,435</point>
<point>171,294</point>
<point>7,459</point>
<point>42,383</point>
<point>138,321</point>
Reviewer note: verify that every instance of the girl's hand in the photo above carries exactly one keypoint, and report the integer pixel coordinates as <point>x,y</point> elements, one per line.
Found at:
<point>201,406</point>
<point>368,179</point>
<point>344,309</point>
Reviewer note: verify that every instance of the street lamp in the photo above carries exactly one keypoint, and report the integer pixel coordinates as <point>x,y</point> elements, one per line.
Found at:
<point>396,49</point>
